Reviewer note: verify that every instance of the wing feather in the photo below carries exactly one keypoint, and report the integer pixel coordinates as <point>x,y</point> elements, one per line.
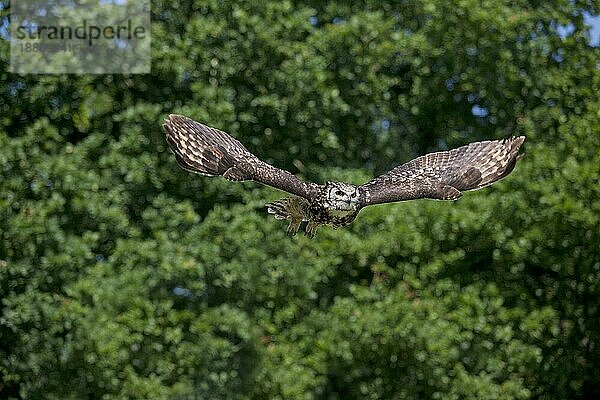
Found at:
<point>208,151</point>
<point>444,175</point>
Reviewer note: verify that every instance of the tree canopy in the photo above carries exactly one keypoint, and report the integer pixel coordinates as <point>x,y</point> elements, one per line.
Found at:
<point>123,276</point>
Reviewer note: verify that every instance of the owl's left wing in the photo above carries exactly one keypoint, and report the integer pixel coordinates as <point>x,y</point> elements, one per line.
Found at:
<point>445,174</point>
<point>208,151</point>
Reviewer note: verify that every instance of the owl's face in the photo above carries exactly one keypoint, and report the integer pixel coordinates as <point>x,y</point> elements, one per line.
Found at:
<point>342,196</point>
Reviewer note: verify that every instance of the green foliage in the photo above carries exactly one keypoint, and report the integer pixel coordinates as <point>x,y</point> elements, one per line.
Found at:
<point>122,276</point>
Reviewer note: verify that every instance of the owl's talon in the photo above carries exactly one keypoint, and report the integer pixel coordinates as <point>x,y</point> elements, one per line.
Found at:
<point>311,229</point>
<point>293,227</point>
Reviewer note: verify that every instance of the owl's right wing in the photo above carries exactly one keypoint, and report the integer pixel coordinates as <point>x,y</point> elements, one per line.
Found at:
<point>445,174</point>
<point>208,151</point>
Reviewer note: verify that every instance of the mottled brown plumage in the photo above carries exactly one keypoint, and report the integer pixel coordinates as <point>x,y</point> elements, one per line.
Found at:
<point>442,175</point>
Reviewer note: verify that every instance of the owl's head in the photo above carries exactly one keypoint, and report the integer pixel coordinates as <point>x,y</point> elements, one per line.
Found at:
<point>342,196</point>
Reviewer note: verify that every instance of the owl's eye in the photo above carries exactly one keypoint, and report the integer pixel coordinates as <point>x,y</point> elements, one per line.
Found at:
<point>339,193</point>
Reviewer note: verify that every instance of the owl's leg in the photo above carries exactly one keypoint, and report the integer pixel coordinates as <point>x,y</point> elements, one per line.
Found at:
<point>311,229</point>
<point>294,209</point>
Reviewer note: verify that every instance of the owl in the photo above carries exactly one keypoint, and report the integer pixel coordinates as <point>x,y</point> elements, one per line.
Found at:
<point>442,175</point>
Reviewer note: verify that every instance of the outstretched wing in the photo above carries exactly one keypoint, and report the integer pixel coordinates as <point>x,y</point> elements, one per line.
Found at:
<point>209,151</point>
<point>443,175</point>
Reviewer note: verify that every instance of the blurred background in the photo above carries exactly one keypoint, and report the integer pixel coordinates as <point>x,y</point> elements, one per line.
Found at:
<point>123,276</point>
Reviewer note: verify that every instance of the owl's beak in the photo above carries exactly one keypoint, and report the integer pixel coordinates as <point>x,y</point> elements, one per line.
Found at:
<point>349,204</point>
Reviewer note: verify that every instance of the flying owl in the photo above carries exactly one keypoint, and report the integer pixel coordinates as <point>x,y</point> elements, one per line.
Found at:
<point>442,175</point>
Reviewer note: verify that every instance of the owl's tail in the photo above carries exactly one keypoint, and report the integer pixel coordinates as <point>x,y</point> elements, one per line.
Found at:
<point>204,150</point>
